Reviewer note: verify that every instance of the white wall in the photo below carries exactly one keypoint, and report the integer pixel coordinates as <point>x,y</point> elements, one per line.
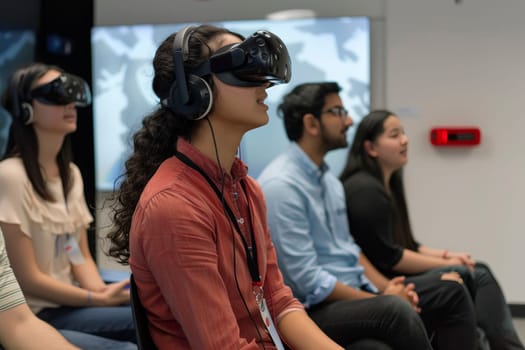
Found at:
<point>463,64</point>
<point>435,63</point>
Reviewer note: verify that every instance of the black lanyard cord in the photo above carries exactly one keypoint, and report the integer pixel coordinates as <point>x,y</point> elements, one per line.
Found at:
<point>251,254</point>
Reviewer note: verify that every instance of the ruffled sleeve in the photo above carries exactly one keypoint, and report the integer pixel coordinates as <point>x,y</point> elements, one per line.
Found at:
<point>20,204</point>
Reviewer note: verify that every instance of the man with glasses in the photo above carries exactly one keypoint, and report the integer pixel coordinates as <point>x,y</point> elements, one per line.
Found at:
<point>341,290</point>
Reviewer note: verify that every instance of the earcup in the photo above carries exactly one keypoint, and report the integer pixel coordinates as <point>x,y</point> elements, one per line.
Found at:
<point>199,102</point>
<point>26,113</point>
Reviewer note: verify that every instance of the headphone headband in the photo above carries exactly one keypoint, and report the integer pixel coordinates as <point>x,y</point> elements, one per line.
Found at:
<point>190,95</point>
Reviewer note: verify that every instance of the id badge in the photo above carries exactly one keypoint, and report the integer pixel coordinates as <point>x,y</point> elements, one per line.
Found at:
<point>72,250</point>
<point>267,320</point>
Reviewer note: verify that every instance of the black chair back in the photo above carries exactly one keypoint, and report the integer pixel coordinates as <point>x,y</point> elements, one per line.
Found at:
<point>144,340</point>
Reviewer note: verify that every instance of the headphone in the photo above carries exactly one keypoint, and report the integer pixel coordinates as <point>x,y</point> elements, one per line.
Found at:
<point>27,114</point>
<point>190,95</point>
<point>22,110</point>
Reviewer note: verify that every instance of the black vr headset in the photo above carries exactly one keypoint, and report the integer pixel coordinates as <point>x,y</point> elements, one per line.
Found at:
<point>260,59</point>
<point>63,90</point>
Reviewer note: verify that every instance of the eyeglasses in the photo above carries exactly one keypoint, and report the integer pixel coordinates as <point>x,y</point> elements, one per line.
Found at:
<point>337,111</point>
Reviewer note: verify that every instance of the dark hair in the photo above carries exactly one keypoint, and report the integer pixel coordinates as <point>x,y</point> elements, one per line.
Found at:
<point>369,129</point>
<point>303,99</point>
<point>22,141</point>
<point>156,140</point>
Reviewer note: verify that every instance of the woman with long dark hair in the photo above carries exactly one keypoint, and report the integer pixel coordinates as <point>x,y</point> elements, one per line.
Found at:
<point>43,212</point>
<point>379,221</point>
<point>188,219</point>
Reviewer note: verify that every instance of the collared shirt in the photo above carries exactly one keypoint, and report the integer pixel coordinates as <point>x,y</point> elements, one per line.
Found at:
<point>308,224</point>
<point>189,262</point>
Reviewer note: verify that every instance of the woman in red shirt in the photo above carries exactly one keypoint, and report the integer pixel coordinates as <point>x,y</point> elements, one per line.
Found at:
<point>188,220</point>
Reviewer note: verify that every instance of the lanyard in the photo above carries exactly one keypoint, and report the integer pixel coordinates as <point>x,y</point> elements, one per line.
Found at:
<point>251,254</point>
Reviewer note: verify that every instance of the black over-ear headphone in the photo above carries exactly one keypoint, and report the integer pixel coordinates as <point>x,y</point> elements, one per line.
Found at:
<point>190,95</point>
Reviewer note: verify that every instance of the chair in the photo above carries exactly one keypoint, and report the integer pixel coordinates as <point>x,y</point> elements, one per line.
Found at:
<point>144,340</point>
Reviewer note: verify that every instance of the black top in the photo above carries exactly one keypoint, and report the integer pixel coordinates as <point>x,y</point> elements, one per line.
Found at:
<point>371,214</point>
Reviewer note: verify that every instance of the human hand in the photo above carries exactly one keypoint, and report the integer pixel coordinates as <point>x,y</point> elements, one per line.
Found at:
<point>112,294</point>
<point>397,287</point>
<point>465,259</point>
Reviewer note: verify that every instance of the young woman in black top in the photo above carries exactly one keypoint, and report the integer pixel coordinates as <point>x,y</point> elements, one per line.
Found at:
<point>379,222</point>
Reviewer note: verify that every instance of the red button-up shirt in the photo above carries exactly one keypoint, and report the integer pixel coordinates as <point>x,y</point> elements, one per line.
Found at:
<point>189,262</point>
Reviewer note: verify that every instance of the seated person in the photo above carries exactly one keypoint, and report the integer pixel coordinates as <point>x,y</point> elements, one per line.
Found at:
<point>21,329</point>
<point>343,293</point>
<point>207,279</point>
<point>379,222</point>
<point>43,212</point>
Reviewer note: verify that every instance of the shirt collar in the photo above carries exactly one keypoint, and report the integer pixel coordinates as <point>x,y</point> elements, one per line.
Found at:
<point>306,164</point>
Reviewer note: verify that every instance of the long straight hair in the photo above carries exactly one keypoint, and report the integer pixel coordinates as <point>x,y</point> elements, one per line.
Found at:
<point>369,129</point>
<point>22,140</point>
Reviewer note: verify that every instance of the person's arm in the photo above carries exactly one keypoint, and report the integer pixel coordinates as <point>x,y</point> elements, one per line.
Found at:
<point>34,282</point>
<point>300,332</point>
<point>465,258</point>
<point>21,329</point>
<point>415,262</point>
<point>343,292</point>
<point>376,277</point>
<point>292,235</point>
<point>87,273</point>
<point>439,253</point>
<point>89,278</point>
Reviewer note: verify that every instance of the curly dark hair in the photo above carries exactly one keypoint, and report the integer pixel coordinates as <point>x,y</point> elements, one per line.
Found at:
<point>156,140</point>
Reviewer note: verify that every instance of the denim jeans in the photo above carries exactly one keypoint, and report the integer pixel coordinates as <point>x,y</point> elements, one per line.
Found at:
<point>492,312</point>
<point>92,342</point>
<point>114,322</point>
<point>387,319</point>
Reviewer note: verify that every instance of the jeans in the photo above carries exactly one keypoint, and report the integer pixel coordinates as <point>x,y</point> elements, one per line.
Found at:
<point>387,319</point>
<point>447,312</point>
<point>114,322</point>
<point>92,342</point>
<point>493,314</point>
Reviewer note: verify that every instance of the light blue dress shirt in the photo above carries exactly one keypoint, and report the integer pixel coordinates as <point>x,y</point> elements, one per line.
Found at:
<point>309,228</point>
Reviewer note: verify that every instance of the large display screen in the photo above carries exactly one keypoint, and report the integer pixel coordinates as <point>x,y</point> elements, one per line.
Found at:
<point>321,49</point>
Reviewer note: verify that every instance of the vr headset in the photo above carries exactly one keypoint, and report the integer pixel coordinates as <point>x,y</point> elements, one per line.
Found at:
<point>259,59</point>
<point>63,90</point>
